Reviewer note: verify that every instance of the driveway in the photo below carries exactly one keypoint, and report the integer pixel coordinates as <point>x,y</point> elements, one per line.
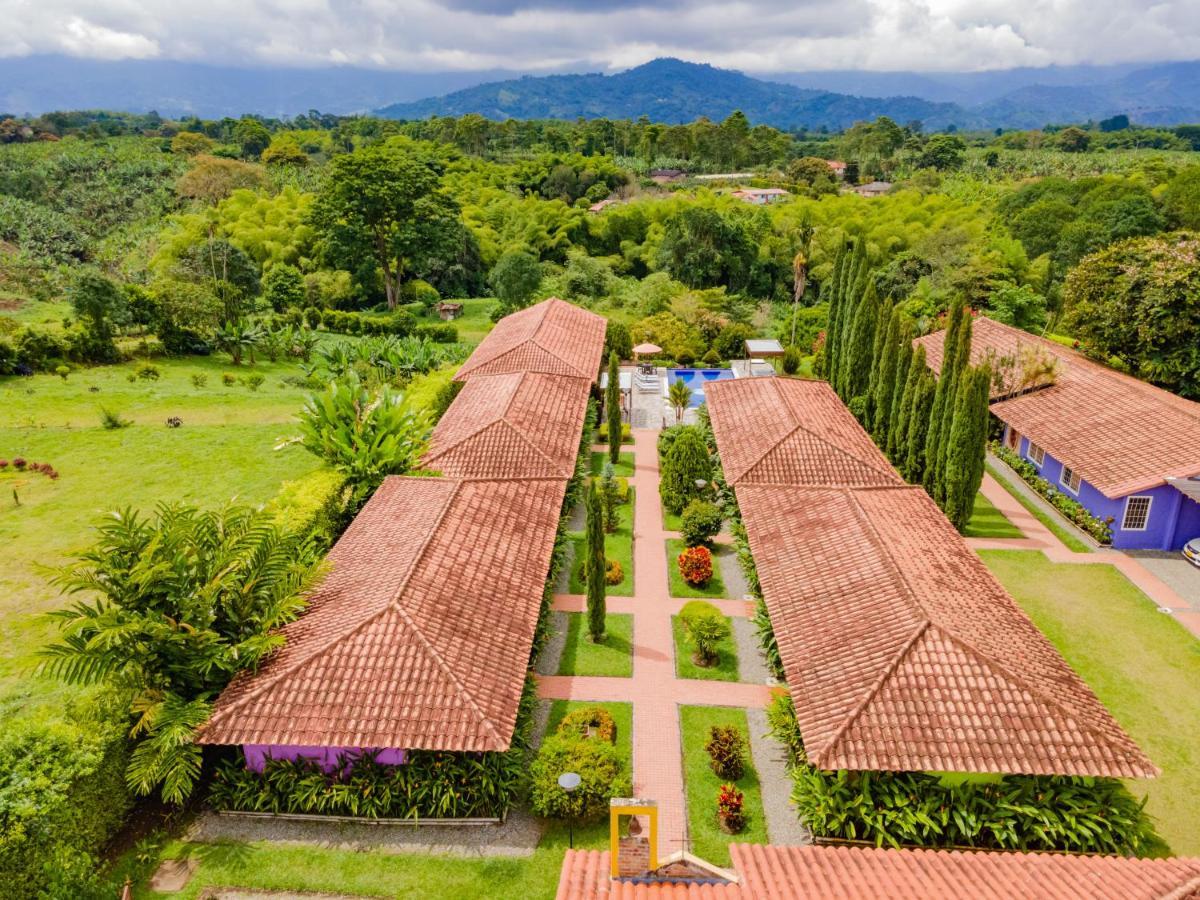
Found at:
<point>1175,571</point>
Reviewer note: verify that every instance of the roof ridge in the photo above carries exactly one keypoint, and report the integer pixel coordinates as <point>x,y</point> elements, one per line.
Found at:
<point>502,411</point>
<point>828,443</point>
<point>524,438</point>
<point>534,340</point>
<point>342,635</point>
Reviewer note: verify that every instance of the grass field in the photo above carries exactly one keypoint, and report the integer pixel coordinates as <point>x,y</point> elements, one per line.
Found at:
<point>1143,665</point>
<point>1063,532</point>
<point>623,468</point>
<point>680,588</point>
<point>708,841</point>
<point>618,546</point>
<point>726,668</point>
<point>581,656</point>
<point>988,522</point>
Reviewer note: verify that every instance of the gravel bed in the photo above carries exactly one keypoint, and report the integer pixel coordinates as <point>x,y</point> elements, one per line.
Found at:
<point>731,573</point>
<point>551,655</point>
<point>783,825</point>
<point>752,667</point>
<point>563,584</point>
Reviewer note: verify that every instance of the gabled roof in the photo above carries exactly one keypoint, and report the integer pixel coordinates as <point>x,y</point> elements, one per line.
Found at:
<point>867,873</point>
<point>791,432</point>
<point>1119,433</point>
<point>420,636</point>
<point>552,337</point>
<point>519,425</point>
<point>903,652</point>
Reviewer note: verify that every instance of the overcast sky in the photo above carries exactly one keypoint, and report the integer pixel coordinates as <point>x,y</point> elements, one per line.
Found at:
<point>752,35</point>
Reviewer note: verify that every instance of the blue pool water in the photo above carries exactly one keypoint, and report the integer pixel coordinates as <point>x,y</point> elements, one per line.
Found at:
<point>696,379</point>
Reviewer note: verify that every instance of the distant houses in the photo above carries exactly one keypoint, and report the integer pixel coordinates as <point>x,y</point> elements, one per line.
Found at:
<point>760,196</point>
<point>667,176</point>
<point>837,167</point>
<point>873,189</point>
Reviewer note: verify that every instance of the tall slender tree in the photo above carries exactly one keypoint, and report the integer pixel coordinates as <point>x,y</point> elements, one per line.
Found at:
<point>850,297</point>
<point>862,342</point>
<point>967,446</point>
<point>949,352</point>
<point>898,438</point>
<point>612,407</point>
<point>885,376</point>
<point>833,300</point>
<point>918,427</point>
<point>594,564</point>
<point>962,362</point>
<point>904,355</point>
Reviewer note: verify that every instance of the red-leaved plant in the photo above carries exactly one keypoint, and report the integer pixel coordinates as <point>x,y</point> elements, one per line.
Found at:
<point>730,813</point>
<point>695,565</point>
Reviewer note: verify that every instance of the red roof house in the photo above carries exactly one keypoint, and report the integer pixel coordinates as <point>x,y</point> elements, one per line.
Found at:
<point>552,337</point>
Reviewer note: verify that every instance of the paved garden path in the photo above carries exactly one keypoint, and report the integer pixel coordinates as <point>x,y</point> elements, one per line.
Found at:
<point>654,691</point>
<point>1039,537</point>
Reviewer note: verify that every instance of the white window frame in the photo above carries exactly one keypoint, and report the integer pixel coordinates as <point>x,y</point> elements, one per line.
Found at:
<point>1036,454</point>
<point>1125,515</point>
<point>1066,482</point>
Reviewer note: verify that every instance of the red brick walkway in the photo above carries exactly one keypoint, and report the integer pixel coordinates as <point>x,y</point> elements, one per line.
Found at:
<point>654,691</point>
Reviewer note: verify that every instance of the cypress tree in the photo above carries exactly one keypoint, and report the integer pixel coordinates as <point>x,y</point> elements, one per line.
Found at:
<point>852,296</point>
<point>612,406</point>
<point>862,340</point>
<point>885,376</point>
<point>833,336</point>
<point>594,564</point>
<point>898,439</point>
<point>904,355</point>
<point>831,288</point>
<point>967,445</point>
<point>962,362</point>
<point>686,462</point>
<point>918,427</point>
<point>949,351</point>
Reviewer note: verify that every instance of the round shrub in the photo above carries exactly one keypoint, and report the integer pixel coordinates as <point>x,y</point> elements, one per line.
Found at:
<point>700,522</point>
<point>705,628</point>
<point>613,573</point>
<point>791,361</point>
<point>711,358</point>
<point>598,764</point>
<point>695,565</point>
<point>596,718</point>
<point>726,750</point>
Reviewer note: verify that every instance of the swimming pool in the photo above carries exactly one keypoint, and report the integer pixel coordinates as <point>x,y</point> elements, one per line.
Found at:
<point>696,379</point>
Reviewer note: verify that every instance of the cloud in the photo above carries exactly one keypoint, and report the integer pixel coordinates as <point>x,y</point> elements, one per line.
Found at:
<point>760,36</point>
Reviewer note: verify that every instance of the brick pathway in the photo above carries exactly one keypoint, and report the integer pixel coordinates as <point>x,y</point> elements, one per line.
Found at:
<point>1039,537</point>
<point>654,690</point>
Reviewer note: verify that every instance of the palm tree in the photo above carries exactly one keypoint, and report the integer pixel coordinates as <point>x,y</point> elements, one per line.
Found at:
<point>679,395</point>
<point>176,605</point>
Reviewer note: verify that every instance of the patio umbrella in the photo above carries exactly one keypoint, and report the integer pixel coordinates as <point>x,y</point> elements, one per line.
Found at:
<point>648,349</point>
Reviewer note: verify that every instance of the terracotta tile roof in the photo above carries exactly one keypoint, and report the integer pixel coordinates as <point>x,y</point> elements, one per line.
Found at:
<point>791,432</point>
<point>420,636</point>
<point>902,651</point>
<point>1121,434</point>
<point>866,873</point>
<point>552,337</point>
<point>520,425</point>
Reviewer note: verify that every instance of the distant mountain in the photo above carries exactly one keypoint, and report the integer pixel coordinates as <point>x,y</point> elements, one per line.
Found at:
<point>669,90</point>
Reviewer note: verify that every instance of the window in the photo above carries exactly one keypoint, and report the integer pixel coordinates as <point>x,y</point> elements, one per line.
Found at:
<point>1036,454</point>
<point>1137,514</point>
<point>1070,479</point>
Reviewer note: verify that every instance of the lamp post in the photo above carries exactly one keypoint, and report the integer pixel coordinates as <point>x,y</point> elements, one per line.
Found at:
<point>568,781</point>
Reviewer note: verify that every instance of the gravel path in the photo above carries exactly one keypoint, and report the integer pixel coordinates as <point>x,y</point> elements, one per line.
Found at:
<point>563,585</point>
<point>783,825</point>
<point>551,655</point>
<point>518,836</point>
<point>731,572</point>
<point>752,667</point>
<point>578,518</point>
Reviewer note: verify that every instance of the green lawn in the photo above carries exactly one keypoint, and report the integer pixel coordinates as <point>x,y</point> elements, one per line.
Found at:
<point>225,449</point>
<point>473,324</point>
<point>623,468</point>
<point>708,841</point>
<point>612,657</point>
<point>679,587</point>
<point>726,668</point>
<point>671,521</point>
<point>618,546</point>
<point>1143,665</point>
<point>622,714</point>
<point>1064,533</point>
<point>988,522</point>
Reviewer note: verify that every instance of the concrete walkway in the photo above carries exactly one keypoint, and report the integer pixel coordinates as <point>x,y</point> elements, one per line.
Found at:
<point>654,691</point>
<point>1039,537</point>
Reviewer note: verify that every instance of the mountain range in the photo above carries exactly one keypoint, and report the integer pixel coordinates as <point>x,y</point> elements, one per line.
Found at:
<point>666,90</point>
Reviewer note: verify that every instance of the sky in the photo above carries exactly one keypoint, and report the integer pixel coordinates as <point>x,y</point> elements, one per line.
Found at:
<point>760,36</point>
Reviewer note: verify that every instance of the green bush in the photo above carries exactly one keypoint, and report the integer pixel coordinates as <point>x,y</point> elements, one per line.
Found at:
<point>686,462</point>
<point>577,723</point>
<point>700,523</point>
<point>1076,512</point>
<point>706,628</point>
<point>314,504</point>
<point>726,749</point>
<point>791,361</point>
<point>38,349</point>
<point>599,765</point>
<point>8,358</point>
<point>438,332</point>
<point>602,433</point>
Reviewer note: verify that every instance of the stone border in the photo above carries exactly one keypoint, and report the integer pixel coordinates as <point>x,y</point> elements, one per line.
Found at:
<point>356,820</point>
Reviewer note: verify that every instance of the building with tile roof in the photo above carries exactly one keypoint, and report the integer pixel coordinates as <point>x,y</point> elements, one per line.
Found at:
<point>1126,450</point>
<point>868,873</point>
<point>901,649</point>
<point>518,425</point>
<point>552,337</point>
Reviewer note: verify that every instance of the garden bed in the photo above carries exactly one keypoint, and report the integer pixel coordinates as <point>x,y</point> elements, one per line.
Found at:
<point>1093,531</point>
<point>613,657</point>
<point>714,587</point>
<point>623,468</point>
<point>726,667</point>
<point>617,546</point>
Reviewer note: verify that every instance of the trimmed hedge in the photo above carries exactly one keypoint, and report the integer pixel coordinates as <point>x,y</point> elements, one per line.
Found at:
<point>1076,512</point>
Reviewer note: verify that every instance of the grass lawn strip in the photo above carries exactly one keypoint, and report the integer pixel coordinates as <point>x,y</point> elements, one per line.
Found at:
<point>1143,665</point>
<point>623,468</point>
<point>726,668</point>
<point>988,522</point>
<point>1065,534</point>
<point>581,656</point>
<point>671,521</point>
<point>708,841</point>
<point>680,588</point>
<point>618,546</point>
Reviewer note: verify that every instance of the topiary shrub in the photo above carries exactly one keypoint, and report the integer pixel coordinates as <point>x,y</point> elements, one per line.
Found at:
<point>695,565</point>
<point>705,628</point>
<point>700,523</point>
<point>711,358</point>
<point>613,573</point>
<point>590,722</point>
<point>686,463</point>
<point>602,433</point>
<point>598,764</point>
<point>726,749</point>
<point>791,361</point>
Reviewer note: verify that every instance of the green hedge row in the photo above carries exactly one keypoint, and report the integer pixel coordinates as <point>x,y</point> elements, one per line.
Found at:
<point>400,323</point>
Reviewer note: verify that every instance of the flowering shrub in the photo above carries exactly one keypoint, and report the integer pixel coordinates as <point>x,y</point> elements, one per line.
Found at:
<point>613,573</point>
<point>726,750</point>
<point>1076,512</point>
<point>730,811</point>
<point>595,718</point>
<point>23,465</point>
<point>695,565</point>
<point>19,463</point>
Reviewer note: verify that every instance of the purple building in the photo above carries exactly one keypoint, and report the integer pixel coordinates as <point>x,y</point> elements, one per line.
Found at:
<point>1126,450</point>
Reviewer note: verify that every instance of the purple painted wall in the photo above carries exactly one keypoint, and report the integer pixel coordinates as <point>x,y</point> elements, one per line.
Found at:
<point>325,757</point>
<point>1163,531</point>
